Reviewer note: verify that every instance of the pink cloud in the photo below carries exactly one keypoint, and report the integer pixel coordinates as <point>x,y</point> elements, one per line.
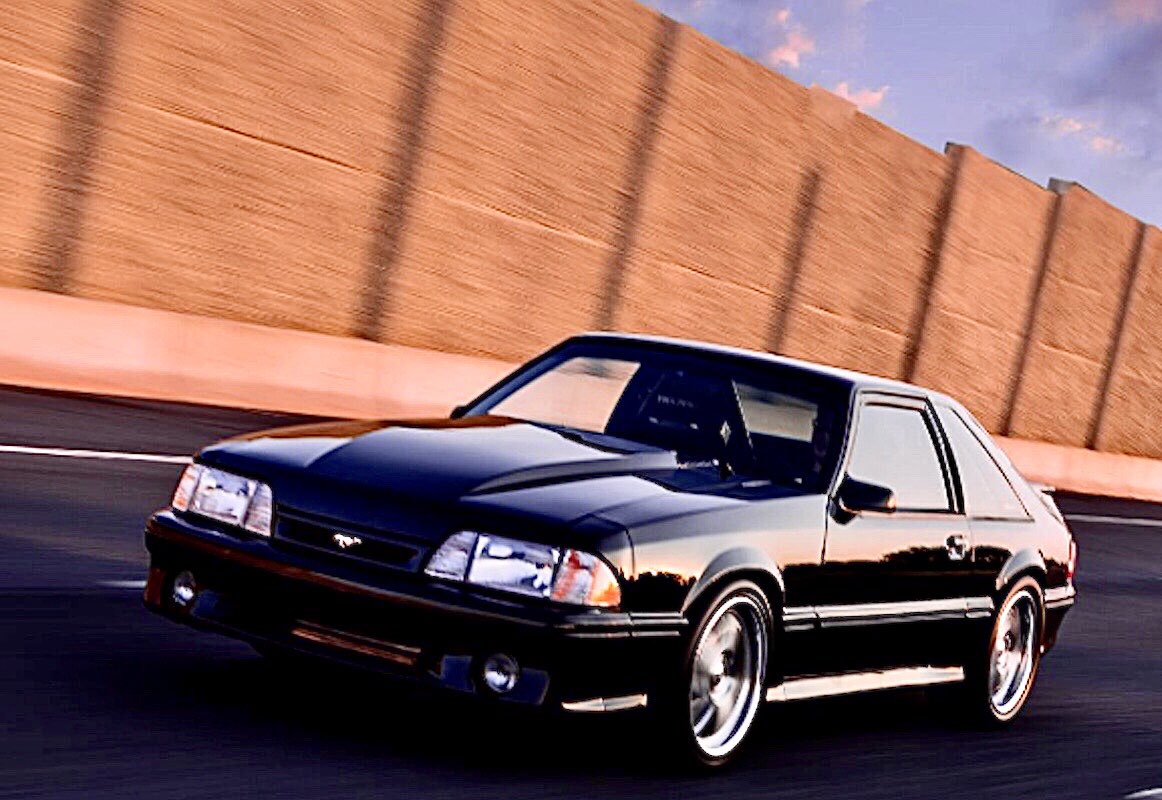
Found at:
<point>794,47</point>
<point>1090,132</point>
<point>1106,145</point>
<point>781,17</point>
<point>865,99</point>
<point>1136,10</point>
<point>1066,126</point>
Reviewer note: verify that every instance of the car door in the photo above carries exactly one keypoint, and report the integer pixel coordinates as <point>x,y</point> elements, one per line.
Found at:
<point>894,584</point>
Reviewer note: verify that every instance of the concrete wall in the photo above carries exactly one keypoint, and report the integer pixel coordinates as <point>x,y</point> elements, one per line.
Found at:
<point>522,156</point>
<point>1075,324</point>
<point>866,252</point>
<point>484,177</point>
<point>978,317</point>
<point>714,170</point>
<point>1133,406</point>
<point>37,44</point>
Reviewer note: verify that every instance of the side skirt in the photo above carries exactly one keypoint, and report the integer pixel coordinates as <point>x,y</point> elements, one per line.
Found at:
<point>854,682</point>
<point>623,703</point>
<point>807,688</point>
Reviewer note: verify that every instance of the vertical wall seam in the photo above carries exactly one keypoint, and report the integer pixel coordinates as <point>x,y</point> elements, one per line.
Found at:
<point>655,97</point>
<point>942,218</point>
<point>802,223</point>
<point>1113,352</point>
<point>398,187</point>
<point>1031,313</point>
<point>81,125</point>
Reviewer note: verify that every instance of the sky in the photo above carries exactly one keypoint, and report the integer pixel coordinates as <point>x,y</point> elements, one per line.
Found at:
<point>1067,89</point>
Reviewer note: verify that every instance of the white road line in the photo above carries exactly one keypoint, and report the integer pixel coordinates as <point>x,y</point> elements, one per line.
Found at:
<point>105,455</point>
<point>1145,794</point>
<point>122,584</point>
<point>1138,521</point>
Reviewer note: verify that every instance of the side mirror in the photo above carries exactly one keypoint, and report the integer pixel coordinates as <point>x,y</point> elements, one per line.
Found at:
<point>856,496</point>
<point>458,412</point>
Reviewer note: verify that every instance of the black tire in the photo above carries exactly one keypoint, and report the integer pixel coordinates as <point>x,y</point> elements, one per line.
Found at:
<point>992,695</point>
<point>717,679</point>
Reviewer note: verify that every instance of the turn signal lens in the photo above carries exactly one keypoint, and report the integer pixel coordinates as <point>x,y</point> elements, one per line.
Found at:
<point>586,580</point>
<point>260,511</point>
<point>1071,567</point>
<point>186,486</point>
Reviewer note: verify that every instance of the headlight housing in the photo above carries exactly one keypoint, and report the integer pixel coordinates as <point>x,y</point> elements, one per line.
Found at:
<point>526,568</point>
<point>225,497</point>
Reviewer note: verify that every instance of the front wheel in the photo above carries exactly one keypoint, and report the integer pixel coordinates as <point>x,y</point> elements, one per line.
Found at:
<point>711,708</point>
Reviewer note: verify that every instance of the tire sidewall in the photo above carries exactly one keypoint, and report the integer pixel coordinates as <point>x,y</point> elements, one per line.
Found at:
<point>675,711</point>
<point>980,680</point>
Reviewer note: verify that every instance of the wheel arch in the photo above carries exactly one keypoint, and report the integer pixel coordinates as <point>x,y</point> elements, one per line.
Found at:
<point>743,563</point>
<point>1022,563</point>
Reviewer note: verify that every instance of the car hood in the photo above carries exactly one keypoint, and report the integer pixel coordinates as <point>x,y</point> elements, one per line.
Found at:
<point>483,464</point>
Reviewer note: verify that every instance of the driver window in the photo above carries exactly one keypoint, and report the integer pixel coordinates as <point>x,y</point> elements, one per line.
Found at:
<point>894,447</point>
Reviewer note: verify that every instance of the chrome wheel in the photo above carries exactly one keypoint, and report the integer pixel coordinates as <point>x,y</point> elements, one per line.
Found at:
<point>727,674</point>
<point>1013,659</point>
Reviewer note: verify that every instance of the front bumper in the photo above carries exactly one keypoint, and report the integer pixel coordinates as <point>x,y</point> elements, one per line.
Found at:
<point>403,624</point>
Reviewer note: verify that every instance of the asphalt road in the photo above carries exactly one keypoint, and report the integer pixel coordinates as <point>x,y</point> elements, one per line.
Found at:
<point>100,699</point>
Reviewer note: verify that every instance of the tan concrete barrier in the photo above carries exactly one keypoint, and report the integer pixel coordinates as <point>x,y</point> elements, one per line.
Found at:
<point>1061,383</point>
<point>1076,469</point>
<point>484,177</point>
<point>55,342</point>
<point>64,343</point>
<point>1130,423</point>
<point>984,287</point>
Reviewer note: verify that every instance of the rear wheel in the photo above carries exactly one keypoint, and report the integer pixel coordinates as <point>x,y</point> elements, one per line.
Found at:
<point>711,708</point>
<point>998,681</point>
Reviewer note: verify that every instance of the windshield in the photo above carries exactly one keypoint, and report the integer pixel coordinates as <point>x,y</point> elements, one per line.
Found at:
<point>777,423</point>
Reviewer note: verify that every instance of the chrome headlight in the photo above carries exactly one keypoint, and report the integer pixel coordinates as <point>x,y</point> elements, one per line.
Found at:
<point>528,568</point>
<point>225,497</point>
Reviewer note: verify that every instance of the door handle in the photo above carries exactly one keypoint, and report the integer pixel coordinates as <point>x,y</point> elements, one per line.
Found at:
<point>957,546</point>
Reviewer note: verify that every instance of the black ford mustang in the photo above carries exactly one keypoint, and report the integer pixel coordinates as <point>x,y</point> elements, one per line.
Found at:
<point>629,521</point>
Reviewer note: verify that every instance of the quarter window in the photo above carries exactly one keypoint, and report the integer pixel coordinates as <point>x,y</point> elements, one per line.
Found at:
<point>894,448</point>
<point>987,492</point>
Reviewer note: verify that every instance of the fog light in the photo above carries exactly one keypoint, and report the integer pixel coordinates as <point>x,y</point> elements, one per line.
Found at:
<point>500,673</point>
<point>184,588</point>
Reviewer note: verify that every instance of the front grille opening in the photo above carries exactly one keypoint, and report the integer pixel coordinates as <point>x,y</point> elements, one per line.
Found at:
<point>342,542</point>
